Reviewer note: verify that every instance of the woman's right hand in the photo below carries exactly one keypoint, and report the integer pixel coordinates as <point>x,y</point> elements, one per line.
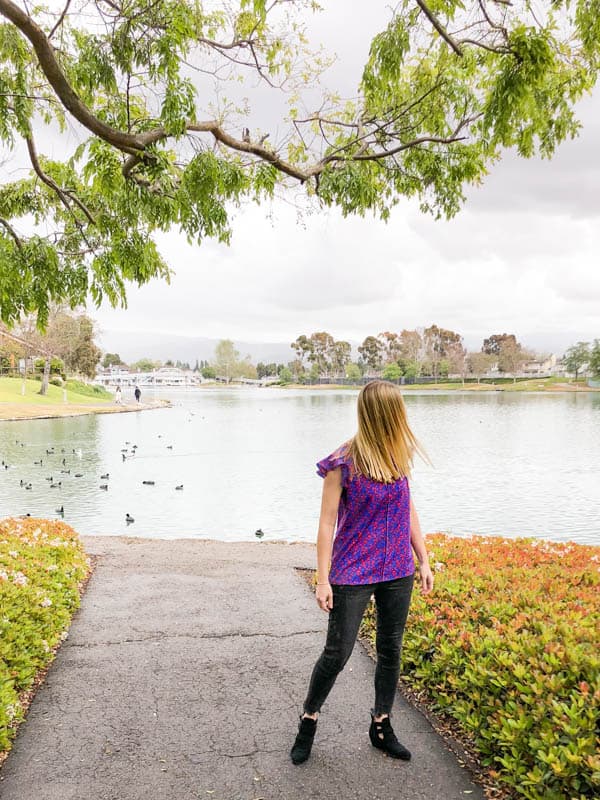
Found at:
<point>324,595</point>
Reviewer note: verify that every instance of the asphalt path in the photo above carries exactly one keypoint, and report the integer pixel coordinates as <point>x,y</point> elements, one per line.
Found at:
<point>183,676</point>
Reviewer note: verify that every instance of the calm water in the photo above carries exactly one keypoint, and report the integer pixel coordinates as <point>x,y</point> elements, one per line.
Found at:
<point>511,464</point>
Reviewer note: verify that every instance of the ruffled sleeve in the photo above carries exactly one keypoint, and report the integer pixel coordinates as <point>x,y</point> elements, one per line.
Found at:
<point>338,459</point>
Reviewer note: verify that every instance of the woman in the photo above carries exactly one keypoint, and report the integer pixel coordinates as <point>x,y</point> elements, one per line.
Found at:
<point>366,490</point>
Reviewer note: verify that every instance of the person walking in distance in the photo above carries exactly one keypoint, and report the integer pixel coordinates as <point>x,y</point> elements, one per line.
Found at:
<point>138,393</point>
<point>118,394</point>
<point>366,490</point>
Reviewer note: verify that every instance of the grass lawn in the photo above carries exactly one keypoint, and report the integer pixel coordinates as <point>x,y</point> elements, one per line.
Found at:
<point>80,394</point>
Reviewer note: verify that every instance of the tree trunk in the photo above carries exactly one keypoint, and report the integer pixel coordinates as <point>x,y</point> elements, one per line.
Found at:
<point>45,377</point>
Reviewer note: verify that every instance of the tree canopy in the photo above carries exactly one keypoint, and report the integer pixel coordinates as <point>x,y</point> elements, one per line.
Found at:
<point>447,85</point>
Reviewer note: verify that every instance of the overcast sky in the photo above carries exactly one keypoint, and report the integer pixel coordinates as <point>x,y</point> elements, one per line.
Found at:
<point>521,257</point>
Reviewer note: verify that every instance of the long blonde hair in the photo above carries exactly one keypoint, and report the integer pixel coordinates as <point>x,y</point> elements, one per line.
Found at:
<point>384,445</point>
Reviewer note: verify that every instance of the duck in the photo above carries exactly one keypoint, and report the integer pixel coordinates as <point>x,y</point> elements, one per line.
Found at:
<point>38,463</point>
<point>56,485</point>
<point>104,486</point>
<point>66,471</point>
<point>259,533</point>
<point>28,486</point>
<point>148,483</point>
<point>169,447</point>
<point>129,519</point>
<point>64,462</point>
<point>105,477</point>
<point>50,479</point>
<point>179,487</point>
<point>79,474</point>
<point>49,452</point>
<point>61,511</point>
<point>123,456</point>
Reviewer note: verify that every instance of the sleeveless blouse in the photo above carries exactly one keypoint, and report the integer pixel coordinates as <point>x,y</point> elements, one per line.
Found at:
<point>372,538</point>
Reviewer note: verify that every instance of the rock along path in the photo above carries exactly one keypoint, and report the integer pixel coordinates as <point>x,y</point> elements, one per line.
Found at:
<point>182,679</point>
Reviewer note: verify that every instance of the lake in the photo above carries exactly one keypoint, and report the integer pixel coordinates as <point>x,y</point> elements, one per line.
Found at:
<point>503,463</point>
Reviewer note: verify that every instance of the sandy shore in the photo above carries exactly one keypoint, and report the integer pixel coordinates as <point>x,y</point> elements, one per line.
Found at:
<point>18,411</point>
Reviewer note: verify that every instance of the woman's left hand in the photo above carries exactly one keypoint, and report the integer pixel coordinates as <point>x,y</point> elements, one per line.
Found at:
<point>426,578</point>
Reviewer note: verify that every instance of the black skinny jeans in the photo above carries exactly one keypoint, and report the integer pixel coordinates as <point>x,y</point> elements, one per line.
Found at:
<point>392,600</point>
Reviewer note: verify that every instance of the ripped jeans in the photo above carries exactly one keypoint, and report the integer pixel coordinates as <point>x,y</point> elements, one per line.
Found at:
<point>392,600</point>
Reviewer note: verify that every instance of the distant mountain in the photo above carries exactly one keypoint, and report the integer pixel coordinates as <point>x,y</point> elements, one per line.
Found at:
<point>160,346</point>
<point>147,344</point>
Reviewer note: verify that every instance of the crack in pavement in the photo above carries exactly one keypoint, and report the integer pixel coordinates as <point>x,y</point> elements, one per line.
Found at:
<point>160,636</point>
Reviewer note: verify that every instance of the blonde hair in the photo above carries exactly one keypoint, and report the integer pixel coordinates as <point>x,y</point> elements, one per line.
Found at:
<point>384,446</point>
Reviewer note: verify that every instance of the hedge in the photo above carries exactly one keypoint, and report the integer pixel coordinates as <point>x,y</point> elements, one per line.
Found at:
<point>508,645</point>
<point>42,567</point>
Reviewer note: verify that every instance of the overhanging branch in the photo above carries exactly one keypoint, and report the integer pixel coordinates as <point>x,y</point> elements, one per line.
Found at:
<point>439,27</point>
<point>68,97</point>
<point>6,224</point>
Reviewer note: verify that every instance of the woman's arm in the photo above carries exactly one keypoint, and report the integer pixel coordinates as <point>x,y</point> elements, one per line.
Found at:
<point>332,491</point>
<point>418,543</point>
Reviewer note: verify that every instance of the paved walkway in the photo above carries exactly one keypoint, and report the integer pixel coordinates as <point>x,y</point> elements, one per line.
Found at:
<point>182,679</point>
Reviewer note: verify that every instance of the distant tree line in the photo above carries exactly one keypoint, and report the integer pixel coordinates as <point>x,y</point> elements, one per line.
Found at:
<point>583,356</point>
<point>432,352</point>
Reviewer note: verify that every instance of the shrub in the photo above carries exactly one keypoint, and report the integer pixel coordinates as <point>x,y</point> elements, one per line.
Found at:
<point>508,645</point>
<point>42,565</point>
<point>88,389</point>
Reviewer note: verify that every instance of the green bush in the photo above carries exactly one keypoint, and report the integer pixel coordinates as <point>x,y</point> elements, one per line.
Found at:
<point>88,389</point>
<point>42,564</point>
<point>508,645</point>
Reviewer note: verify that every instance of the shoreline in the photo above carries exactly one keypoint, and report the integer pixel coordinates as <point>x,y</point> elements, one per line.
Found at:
<point>454,387</point>
<point>521,387</point>
<point>18,412</point>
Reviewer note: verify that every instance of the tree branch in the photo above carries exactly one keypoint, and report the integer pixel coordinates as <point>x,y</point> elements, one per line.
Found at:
<point>488,47</point>
<point>63,194</point>
<point>68,97</point>
<point>12,232</point>
<point>439,27</point>
<point>59,21</point>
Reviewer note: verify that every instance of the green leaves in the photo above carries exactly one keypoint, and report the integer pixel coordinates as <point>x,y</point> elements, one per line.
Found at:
<point>41,566</point>
<point>448,85</point>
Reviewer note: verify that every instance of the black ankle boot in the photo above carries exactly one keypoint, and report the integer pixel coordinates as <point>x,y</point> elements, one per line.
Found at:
<point>304,739</point>
<point>383,737</point>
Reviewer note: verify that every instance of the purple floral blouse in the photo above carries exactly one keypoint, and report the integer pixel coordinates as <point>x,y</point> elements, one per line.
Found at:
<point>372,539</point>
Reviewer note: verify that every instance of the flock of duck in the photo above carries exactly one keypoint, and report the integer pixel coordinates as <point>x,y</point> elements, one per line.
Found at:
<point>128,451</point>
<point>61,470</point>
